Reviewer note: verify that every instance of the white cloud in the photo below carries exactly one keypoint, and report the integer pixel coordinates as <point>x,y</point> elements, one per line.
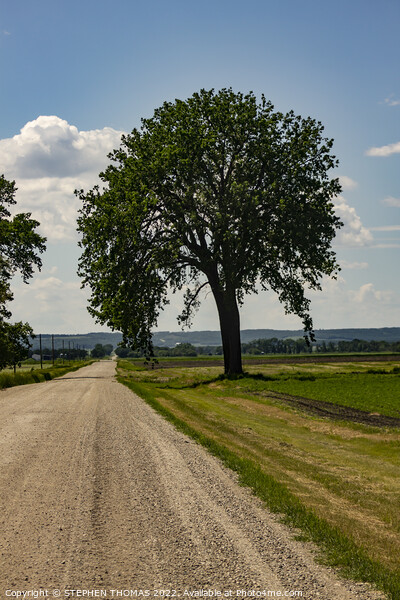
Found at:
<point>353,233</point>
<point>56,306</point>
<point>390,201</point>
<point>368,294</point>
<point>347,183</point>
<point>49,159</point>
<point>353,265</point>
<point>386,228</point>
<point>384,150</point>
<point>391,101</point>
<point>337,305</point>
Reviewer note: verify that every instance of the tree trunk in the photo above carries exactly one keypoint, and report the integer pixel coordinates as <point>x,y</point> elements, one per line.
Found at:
<point>229,320</point>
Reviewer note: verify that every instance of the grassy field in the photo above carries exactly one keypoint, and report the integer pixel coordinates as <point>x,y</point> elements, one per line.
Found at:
<point>335,480</point>
<point>29,366</point>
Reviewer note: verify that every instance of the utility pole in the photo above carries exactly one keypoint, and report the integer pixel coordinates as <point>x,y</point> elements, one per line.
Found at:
<point>40,346</point>
<point>63,351</point>
<point>52,346</point>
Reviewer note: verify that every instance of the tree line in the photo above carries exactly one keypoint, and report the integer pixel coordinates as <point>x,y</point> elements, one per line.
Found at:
<point>267,346</point>
<point>99,351</point>
<point>359,346</point>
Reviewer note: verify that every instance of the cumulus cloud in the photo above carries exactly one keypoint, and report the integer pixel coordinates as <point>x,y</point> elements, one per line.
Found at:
<point>353,233</point>
<point>51,147</point>
<point>368,293</point>
<point>347,183</point>
<point>59,305</point>
<point>384,150</point>
<point>50,158</point>
<point>337,305</point>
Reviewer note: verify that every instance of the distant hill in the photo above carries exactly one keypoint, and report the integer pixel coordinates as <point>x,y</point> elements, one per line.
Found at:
<point>84,340</point>
<point>213,338</point>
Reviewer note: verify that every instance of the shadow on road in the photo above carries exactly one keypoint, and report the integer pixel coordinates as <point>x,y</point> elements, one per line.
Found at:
<point>82,377</point>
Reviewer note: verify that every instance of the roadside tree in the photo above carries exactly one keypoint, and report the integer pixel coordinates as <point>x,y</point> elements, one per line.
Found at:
<point>220,191</point>
<point>15,341</point>
<point>19,244</point>
<point>19,248</point>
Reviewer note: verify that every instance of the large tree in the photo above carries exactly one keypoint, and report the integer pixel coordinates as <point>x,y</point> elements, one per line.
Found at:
<point>218,190</point>
<point>19,247</point>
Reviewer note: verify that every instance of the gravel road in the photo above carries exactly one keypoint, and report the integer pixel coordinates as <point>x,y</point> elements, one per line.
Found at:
<point>98,492</point>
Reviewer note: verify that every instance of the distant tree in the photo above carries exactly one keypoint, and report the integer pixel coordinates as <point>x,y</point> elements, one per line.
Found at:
<point>217,191</point>
<point>108,348</point>
<point>122,352</point>
<point>209,350</point>
<point>184,349</point>
<point>98,351</point>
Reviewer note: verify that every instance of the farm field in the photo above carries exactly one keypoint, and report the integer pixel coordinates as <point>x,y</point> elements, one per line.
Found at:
<point>28,366</point>
<point>321,440</point>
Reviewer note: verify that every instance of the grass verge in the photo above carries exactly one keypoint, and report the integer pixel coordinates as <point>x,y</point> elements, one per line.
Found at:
<point>8,379</point>
<point>219,416</point>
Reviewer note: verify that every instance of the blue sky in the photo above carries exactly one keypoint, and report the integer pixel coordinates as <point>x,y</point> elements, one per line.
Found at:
<point>76,74</point>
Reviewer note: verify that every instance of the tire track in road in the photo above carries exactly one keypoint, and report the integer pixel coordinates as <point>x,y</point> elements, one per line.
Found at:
<point>100,492</point>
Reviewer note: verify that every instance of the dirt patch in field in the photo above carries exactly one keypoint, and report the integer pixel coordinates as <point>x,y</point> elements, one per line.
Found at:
<point>321,408</point>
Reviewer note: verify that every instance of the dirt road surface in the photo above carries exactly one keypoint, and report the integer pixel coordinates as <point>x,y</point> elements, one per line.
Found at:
<point>98,492</point>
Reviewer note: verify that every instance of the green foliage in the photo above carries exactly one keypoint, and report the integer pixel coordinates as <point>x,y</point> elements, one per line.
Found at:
<point>276,346</point>
<point>38,375</point>
<point>14,343</point>
<point>19,245</point>
<point>357,345</point>
<point>19,242</point>
<point>216,190</point>
<point>123,351</point>
<point>99,351</point>
<point>183,349</point>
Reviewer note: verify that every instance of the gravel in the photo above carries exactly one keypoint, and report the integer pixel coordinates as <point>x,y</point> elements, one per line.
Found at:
<point>100,494</point>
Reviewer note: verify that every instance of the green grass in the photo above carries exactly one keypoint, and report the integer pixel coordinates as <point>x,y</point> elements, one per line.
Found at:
<point>371,392</point>
<point>35,375</point>
<point>336,481</point>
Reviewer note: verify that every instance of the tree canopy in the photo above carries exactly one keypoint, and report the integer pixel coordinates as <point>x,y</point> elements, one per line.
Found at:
<point>14,343</point>
<point>19,248</point>
<point>218,190</point>
<point>100,350</point>
<point>19,243</point>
